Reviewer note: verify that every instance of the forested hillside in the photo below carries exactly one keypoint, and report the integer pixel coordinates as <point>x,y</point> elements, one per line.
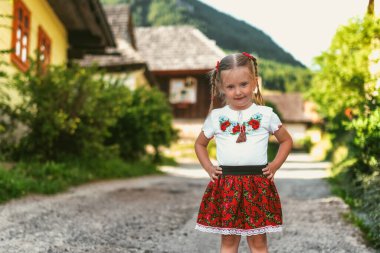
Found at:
<point>280,71</point>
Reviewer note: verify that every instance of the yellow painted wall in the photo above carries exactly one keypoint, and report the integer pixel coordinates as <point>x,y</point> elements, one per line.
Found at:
<point>6,8</point>
<point>41,15</point>
<point>131,79</point>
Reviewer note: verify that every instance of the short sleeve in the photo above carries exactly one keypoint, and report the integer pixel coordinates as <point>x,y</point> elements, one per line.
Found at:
<point>274,123</point>
<point>208,128</point>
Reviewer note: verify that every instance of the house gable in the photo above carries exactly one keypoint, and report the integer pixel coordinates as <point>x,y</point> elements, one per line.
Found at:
<point>177,48</point>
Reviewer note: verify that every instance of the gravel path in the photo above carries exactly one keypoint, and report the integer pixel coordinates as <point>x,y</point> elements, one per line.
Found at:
<point>158,214</point>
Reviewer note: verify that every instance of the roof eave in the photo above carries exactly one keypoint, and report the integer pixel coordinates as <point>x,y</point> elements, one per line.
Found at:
<point>180,72</point>
<point>86,24</point>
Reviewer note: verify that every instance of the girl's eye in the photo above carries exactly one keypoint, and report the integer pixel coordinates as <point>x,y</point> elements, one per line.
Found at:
<point>244,84</point>
<point>230,87</point>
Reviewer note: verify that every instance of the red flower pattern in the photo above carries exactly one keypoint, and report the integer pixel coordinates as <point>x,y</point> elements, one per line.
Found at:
<point>224,125</point>
<point>240,202</point>
<point>255,124</point>
<point>236,129</point>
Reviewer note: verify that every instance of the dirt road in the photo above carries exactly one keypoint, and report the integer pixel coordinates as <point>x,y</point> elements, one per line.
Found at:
<point>158,214</point>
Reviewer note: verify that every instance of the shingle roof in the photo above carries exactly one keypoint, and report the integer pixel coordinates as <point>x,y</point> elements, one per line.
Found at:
<point>124,55</point>
<point>119,19</point>
<point>292,107</point>
<point>168,48</point>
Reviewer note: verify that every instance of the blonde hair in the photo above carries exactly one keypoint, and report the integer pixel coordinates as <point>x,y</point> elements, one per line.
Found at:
<point>229,62</point>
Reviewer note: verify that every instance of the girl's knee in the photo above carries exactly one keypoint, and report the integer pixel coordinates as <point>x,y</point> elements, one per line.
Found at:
<point>230,240</point>
<point>257,241</point>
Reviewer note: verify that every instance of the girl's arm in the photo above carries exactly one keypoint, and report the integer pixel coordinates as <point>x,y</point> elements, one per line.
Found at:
<point>286,143</point>
<point>203,157</point>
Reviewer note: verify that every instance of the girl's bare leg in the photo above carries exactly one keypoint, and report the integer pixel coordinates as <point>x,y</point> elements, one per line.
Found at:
<point>230,243</point>
<point>258,243</point>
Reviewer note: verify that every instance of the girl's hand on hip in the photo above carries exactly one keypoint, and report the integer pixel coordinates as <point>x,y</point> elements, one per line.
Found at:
<point>269,171</point>
<point>214,172</point>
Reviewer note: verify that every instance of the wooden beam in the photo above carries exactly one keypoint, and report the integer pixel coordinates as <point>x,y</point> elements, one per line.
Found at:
<point>181,72</point>
<point>84,39</point>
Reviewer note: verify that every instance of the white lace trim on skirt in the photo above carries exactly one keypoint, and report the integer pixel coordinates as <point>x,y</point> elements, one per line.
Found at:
<point>237,231</point>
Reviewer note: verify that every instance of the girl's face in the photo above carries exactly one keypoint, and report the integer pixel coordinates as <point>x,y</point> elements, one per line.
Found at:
<point>238,86</point>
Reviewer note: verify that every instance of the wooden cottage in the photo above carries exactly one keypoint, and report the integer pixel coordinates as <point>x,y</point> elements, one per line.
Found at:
<point>124,61</point>
<point>179,58</point>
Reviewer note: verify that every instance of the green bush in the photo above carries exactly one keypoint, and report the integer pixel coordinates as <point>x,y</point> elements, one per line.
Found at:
<point>367,139</point>
<point>148,120</point>
<point>304,144</point>
<point>67,111</point>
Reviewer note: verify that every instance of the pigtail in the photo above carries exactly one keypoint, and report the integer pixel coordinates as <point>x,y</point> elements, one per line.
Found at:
<point>213,88</point>
<point>257,95</point>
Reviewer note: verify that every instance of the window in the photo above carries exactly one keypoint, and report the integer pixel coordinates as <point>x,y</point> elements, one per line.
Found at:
<point>20,35</point>
<point>183,91</point>
<point>44,44</point>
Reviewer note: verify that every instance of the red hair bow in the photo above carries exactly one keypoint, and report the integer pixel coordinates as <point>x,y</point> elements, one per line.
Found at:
<point>249,56</point>
<point>217,66</point>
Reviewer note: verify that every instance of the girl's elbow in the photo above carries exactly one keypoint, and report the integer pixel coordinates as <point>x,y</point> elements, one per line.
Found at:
<point>197,146</point>
<point>291,142</point>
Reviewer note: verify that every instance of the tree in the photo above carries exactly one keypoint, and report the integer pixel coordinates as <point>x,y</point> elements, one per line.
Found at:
<point>339,86</point>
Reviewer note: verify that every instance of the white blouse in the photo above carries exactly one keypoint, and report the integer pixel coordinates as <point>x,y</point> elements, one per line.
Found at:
<point>225,123</point>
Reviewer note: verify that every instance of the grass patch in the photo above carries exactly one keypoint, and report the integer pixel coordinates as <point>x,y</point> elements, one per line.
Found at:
<point>53,177</point>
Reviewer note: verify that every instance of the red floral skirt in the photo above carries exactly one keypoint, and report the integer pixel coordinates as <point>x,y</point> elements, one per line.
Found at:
<point>240,205</point>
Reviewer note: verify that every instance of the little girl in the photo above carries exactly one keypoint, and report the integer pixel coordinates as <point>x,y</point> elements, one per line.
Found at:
<point>241,198</point>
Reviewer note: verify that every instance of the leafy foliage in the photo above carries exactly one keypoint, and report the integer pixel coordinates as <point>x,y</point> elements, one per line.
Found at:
<point>77,112</point>
<point>344,71</point>
<point>147,120</point>
<point>348,97</point>
<point>67,111</point>
<point>367,139</point>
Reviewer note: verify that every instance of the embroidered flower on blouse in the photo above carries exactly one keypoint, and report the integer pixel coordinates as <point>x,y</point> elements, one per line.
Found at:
<point>254,123</point>
<point>232,127</point>
<point>224,125</point>
<point>236,129</point>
